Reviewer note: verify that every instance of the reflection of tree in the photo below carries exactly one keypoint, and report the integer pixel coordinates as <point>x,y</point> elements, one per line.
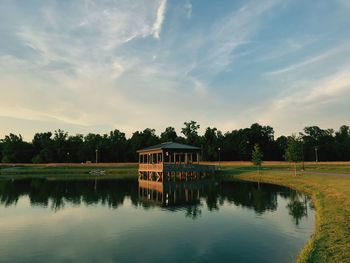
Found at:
<point>297,209</point>
<point>193,212</point>
<point>112,193</point>
<point>41,192</point>
<point>251,195</point>
<point>211,196</point>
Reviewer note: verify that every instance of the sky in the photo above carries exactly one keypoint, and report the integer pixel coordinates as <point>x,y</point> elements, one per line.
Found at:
<point>95,66</point>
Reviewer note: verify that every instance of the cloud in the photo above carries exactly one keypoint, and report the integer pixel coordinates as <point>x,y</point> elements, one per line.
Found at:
<point>305,63</point>
<point>308,101</point>
<point>157,26</point>
<point>188,9</point>
<point>228,34</point>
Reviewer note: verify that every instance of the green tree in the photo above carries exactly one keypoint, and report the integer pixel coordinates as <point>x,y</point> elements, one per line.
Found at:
<point>15,150</point>
<point>257,157</point>
<point>191,132</point>
<point>141,140</point>
<point>92,142</point>
<point>117,146</point>
<point>169,135</point>
<point>293,152</point>
<point>60,145</point>
<point>74,146</point>
<point>211,144</point>
<point>43,148</point>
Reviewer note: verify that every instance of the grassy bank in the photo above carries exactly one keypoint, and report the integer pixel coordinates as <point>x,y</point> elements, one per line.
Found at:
<point>69,171</point>
<point>331,195</point>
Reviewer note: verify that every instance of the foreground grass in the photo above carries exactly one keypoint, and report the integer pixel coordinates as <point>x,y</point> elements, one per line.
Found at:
<point>331,195</point>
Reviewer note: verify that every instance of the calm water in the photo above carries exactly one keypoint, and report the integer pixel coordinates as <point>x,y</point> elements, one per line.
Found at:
<point>118,221</point>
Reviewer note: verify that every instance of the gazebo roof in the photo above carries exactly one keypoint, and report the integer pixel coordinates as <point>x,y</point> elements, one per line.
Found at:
<point>170,146</point>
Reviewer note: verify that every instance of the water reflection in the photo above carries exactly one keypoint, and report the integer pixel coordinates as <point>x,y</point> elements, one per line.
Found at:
<point>191,197</point>
<point>297,206</point>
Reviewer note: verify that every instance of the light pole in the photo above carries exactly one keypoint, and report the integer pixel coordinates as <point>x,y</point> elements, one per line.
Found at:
<point>219,149</point>
<point>316,155</point>
<point>96,152</point>
<point>302,150</point>
<point>67,157</point>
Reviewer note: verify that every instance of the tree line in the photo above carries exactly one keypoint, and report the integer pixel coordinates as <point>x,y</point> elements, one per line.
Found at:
<point>236,145</point>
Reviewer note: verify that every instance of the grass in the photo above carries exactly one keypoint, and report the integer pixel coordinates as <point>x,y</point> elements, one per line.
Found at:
<point>331,195</point>
<point>69,171</point>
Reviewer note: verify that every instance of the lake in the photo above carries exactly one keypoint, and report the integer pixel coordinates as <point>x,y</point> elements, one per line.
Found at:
<point>122,221</point>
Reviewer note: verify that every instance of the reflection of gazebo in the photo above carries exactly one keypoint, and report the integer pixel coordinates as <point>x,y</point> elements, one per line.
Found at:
<point>172,194</point>
<point>171,161</point>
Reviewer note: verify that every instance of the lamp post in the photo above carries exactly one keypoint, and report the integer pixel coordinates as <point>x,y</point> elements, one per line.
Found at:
<point>219,149</point>
<point>96,155</point>
<point>316,155</point>
<point>302,151</point>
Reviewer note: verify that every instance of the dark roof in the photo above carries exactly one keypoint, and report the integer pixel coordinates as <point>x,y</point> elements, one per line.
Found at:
<point>170,146</point>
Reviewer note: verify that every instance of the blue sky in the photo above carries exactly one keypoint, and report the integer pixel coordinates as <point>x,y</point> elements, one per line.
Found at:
<point>94,66</point>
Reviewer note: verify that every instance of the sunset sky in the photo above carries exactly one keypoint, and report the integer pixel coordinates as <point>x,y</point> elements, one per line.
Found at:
<point>94,66</point>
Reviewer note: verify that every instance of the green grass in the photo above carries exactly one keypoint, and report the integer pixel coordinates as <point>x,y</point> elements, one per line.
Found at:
<point>331,195</point>
<point>68,172</point>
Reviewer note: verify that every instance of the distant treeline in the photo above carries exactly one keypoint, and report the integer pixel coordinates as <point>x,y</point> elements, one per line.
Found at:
<point>236,145</point>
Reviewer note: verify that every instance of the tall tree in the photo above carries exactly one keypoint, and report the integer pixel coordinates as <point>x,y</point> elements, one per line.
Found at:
<point>169,135</point>
<point>43,148</point>
<point>293,152</point>
<point>141,140</point>
<point>211,144</point>
<point>118,146</point>
<point>257,157</point>
<point>15,150</point>
<point>191,132</point>
<point>60,144</point>
<point>74,146</point>
<point>342,143</point>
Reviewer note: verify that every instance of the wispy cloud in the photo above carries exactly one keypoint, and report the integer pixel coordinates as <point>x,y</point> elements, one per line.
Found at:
<point>157,26</point>
<point>307,99</point>
<point>188,9</point>
<point>306,62</point>
<point>111,63</point>
<point>231,32</point>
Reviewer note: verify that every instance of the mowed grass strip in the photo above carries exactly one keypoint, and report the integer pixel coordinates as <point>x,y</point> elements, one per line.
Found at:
<point>68,171</point>
<point>331,195</point>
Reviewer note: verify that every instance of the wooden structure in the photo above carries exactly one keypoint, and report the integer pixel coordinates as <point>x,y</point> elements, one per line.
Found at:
<point>172,161</point>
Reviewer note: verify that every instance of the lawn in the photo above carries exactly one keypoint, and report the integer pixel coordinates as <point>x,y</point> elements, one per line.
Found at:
<point>69,171</point>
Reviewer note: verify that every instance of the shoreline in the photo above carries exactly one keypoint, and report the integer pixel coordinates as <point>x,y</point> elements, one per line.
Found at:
<point>331,239</point>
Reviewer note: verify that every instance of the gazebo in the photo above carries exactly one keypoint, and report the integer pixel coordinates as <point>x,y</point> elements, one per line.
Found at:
<point>171,161</point>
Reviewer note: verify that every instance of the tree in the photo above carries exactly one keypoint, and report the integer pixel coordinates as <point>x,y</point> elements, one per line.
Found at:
<point>92,142</point>
<point>15,150</point>
<point>117,146</point>
<point>294,151</point>
<point>211,144</point>
<point>60,145</point>
<point>74,146</point>
<point>191,132</point>
<point>169,135</point>
<point>43,148</point>
<point>141,140</point>
<point>257,157</point>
